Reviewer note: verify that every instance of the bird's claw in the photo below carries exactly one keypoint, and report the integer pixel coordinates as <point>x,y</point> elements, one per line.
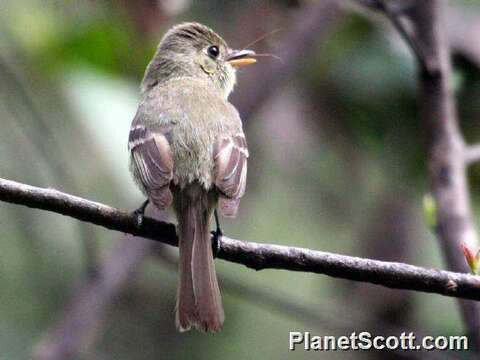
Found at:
<point>140,213</point>
<point>216,235</point>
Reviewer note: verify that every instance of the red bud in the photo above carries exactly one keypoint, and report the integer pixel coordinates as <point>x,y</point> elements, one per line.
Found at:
<point>471,257</point>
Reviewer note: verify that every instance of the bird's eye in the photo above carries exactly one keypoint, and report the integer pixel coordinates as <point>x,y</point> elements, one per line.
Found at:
<point>213,51</point>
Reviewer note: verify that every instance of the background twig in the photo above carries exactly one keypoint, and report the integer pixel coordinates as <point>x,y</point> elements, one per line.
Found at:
<point>84,314</point>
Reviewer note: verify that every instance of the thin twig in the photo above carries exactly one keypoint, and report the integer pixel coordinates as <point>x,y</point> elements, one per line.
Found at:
<point>463,28</point>
<point>472,154</point>
<point>253,255</point>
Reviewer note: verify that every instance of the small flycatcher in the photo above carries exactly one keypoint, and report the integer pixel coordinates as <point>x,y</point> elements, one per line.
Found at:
<point>188,149</point>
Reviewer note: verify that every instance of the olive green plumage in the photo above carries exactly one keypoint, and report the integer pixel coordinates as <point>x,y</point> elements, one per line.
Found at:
<point>202,117</point>
<point>188,149</point>
<point>182,53</point>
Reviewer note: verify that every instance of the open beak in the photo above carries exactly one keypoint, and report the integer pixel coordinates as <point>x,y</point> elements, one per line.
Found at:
<point>239,58</point>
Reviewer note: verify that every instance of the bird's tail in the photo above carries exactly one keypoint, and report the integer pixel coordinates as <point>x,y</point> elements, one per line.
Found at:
<point>199,302</point>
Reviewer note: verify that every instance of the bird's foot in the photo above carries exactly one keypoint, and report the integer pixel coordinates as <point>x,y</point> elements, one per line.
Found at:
<point>140,213</point>
<point>216,235</point>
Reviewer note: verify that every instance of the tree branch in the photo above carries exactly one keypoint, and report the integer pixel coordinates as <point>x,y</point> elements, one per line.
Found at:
<point>253,255</point>
<point>447,155</point>
<point>445,150</point>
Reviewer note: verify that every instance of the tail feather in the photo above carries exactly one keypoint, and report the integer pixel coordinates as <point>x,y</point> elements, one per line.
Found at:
<point>199,303</point>
<point>186,314</point>
<point>205,285</point>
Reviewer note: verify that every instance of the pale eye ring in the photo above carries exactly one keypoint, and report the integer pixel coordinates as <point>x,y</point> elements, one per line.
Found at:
<point>213,51</point>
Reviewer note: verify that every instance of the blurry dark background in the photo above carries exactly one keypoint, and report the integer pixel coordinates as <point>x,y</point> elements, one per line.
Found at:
<point>337,164</point>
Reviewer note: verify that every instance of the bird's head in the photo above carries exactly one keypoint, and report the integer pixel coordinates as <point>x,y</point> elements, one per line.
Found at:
<point>194,50</point>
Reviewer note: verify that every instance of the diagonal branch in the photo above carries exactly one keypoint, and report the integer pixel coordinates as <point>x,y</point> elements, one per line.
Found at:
<point>408,33</point>
<point>447,155</point>
<point>446,151</point>
<point>253,255</point>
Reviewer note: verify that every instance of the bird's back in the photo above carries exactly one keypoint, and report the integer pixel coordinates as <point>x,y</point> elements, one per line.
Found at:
<point>192,115</point>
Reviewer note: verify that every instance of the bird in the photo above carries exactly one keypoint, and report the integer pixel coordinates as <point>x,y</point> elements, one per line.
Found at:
<point>188,151</point>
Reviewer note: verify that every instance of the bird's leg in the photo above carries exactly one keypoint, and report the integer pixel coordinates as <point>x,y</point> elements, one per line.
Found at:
<point>218,231</point>
<point>140,212</point>
<point>217,234</point>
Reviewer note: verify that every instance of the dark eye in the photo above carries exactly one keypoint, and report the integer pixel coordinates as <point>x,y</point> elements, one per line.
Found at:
<point>213,51</point>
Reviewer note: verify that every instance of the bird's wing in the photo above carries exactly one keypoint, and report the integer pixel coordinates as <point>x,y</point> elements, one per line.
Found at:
<point>230,154</point>
<point>152,162</point>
